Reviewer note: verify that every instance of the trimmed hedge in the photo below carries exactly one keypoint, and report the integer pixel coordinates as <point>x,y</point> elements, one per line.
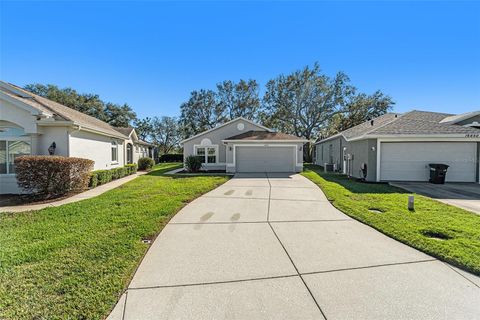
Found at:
<point>145,163</point>
<point>172,157</point>
<point>100,177</point>
<point>48,176</point>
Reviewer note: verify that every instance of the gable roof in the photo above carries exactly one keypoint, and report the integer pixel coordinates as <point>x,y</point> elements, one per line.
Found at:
<point>411,123</point>
<point>263,135</point>
<point>127,131</point>
<point>460,117</point>
<point>58,111</point>
<point>223,125</point>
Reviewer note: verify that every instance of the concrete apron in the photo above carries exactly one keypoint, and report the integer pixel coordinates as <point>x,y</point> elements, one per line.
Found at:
<point>273,247</point>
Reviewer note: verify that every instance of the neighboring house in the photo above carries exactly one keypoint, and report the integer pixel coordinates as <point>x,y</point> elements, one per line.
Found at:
<point>30,124</point>
<point>134,147</point>
<point>399,147</point>
<point>241,145</point>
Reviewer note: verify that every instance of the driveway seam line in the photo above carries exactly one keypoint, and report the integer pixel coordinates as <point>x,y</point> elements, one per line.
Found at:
<point>214,282</point>
<point>220,197</point>
<point>125,305</point>
<point>369,267</point>
<point>291,260</point>
<point>273,221</point>
<point>476,285</point>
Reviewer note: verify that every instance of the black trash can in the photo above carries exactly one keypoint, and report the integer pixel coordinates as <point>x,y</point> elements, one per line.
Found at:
<point>438,172</point>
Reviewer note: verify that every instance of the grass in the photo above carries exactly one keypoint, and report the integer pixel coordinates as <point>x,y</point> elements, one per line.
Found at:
<point>446,232</point>
<point>74,261</point>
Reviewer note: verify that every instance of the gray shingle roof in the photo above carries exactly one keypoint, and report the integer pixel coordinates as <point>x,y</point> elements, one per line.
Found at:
<point>422,122</point>
<point>411,123</point>
<point>62,112</point>
<point>124,130</point>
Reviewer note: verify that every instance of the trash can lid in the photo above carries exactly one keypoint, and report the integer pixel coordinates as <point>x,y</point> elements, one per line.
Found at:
<point>439,166</point>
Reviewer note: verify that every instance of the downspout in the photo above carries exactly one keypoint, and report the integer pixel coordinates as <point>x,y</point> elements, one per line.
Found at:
<point>79,127</point>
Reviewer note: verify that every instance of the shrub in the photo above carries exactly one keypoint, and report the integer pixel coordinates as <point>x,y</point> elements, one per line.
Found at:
<point>93,180</point>
<point>118,173</point>
<point>104,176</point>
<point>145,163</point>
<point>193,164</point>
<point>131,168</point>
<point>52,175</point>
<point>173,157</point>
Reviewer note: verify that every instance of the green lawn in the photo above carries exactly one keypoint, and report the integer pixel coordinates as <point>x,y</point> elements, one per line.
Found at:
<point>73,261</point>
<point>462,228</point>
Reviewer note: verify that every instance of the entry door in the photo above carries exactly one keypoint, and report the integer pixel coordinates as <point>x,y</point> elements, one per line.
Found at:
<point>265,159</point>
<point>129,153</point>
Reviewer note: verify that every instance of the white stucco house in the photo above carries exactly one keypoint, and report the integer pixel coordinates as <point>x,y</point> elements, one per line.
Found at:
<point>30,125</point>
<point>241,145</point>
<point>400,147</point>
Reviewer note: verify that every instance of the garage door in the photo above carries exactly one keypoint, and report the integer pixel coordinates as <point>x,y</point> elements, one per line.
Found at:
<point>401,161</point>
<point>265,159</point>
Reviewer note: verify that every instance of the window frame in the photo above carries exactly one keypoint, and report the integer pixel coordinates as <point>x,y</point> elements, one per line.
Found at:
<point>114,145</point>
<point>7,141</point>
<point>206,147</point>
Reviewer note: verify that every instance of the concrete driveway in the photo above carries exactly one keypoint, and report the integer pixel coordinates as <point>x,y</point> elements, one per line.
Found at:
<point>462,195</point>
<point>273,247</point>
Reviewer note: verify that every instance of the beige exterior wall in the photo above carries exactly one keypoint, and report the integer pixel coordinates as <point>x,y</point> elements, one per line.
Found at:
<point>97,148</point>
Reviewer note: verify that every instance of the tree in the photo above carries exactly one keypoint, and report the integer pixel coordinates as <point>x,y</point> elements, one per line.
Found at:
<point>358,109</point>
<point>239,99</point>
<point>143,128</point>
<point>90,104</point>
<point>304,102</point>
<point>119,115</point>
<point>166,133</point>
<point>205,109</point>
<point>201,112</point>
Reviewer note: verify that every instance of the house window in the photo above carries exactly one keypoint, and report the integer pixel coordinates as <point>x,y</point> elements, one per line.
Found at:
<point>9,151</point>
<point>114,151</point>
<point>207,154</point>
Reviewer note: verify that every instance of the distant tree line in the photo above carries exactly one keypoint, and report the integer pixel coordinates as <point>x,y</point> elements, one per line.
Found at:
<point>306,103</point>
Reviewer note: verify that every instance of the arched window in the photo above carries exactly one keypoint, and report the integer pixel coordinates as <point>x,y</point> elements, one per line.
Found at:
<point>114,151</point>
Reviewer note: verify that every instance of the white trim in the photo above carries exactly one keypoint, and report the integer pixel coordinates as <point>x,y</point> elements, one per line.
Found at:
<point>379,144</point>
<point>429,137</point>
<point>223,125</point>
<point>267,141</point>
<point>215,146</point>
<point>22,105</point>
<point>459,117</point>
<point>295,164</point>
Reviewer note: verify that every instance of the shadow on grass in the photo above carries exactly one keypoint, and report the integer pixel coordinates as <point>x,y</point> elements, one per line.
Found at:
<point>352,184</point>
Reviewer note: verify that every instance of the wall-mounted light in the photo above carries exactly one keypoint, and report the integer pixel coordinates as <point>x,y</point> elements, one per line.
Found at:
<point>373,148</point>
<point>300,148</point>
<point>344,148</point>
<point>230,148</point>
<point>51,149</point>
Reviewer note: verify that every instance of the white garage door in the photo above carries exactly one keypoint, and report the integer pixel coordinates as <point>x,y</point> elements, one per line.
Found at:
<point>265,159</point>
<point>408,161</point>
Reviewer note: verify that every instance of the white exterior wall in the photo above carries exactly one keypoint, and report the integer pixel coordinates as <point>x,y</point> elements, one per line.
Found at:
<point>47,135</point>
<point>97,148</point>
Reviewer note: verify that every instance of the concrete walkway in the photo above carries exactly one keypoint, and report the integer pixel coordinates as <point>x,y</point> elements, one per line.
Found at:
<point>78,197</point>
<point>273,247</point>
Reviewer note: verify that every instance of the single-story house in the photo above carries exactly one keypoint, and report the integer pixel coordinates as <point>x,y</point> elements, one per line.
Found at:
<point>135,148</point>
<point>241,145</point>
<point>33,125</point>
<point>400,147</point>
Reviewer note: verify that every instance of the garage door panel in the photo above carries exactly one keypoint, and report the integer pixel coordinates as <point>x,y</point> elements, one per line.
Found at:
<point>265,159</point>
<point>402,161</point>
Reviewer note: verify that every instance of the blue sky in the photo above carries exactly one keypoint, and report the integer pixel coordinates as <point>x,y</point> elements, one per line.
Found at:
<point>426,55</point>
